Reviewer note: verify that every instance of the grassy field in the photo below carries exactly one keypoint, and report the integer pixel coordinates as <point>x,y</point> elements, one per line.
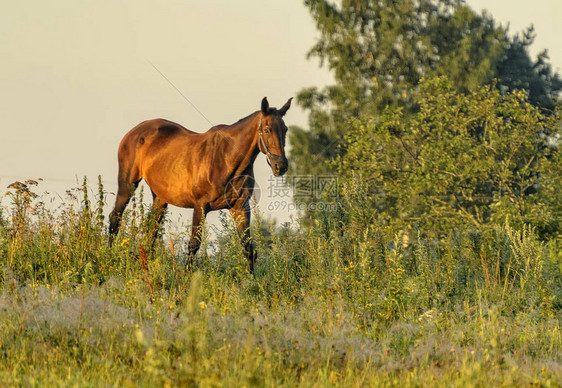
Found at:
<point>329,305</point>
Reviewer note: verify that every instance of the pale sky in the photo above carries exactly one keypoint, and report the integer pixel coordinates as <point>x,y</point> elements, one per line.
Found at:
<point>76,76</point>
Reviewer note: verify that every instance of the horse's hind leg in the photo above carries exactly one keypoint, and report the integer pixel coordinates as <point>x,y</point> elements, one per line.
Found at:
<point>126,188</point>
<point>157,214</point>
<point>199,213</point>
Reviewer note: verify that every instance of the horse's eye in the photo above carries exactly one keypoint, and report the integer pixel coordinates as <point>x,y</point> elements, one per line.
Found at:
<point>266,130</point>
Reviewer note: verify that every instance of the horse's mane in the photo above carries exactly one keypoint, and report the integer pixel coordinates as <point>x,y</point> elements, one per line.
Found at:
<point>234,125</point>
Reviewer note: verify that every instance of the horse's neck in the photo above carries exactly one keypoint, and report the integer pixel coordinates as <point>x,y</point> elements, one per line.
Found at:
<point>244,142</point>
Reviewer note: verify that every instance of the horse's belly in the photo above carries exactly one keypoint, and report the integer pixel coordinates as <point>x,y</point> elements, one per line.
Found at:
<point>170,183</point>
<point>180,180</point>
<point>183,190</point>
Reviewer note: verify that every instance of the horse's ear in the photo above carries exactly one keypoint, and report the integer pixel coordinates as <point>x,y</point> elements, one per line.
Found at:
<point>264,106</point>
<point>285,107</point>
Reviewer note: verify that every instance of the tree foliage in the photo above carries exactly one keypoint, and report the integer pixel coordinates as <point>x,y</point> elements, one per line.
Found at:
<point>379,50</point>
<point>475,158</point>
<point>517,71</point>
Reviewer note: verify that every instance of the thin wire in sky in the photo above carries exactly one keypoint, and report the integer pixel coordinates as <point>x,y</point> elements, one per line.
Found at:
<point>179,91</point>
<point>194,107</point>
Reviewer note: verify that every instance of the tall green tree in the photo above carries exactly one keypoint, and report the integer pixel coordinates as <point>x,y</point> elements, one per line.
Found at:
<point>517,71</point>
<point>379,50</point>
<point>475,159</point>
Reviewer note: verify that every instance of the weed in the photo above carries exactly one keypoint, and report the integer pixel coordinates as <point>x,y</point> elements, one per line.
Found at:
<point>342,302</point>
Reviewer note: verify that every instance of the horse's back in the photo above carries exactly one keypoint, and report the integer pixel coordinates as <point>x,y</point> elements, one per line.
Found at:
<point>154,132</point>
<point>159,128</point>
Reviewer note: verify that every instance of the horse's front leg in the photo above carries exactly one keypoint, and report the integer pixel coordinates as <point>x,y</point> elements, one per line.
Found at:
<point>242,219</point>
<point>195,240</point>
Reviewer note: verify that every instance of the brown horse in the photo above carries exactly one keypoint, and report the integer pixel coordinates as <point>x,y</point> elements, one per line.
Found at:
<point>204,171</point>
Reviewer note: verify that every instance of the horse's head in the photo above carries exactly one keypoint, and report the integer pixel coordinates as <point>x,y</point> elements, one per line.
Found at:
<point>272,131</point>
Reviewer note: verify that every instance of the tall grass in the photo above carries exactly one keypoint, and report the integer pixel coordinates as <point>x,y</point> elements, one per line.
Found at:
<point>335,304</point>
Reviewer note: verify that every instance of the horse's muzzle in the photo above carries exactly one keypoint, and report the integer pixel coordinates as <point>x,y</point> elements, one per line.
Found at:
<point>279,164</point>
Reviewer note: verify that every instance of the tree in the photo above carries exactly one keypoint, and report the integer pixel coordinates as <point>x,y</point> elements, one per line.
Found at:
<point>471,158</point>
<point>518,72</point>
<point>378,52</point>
